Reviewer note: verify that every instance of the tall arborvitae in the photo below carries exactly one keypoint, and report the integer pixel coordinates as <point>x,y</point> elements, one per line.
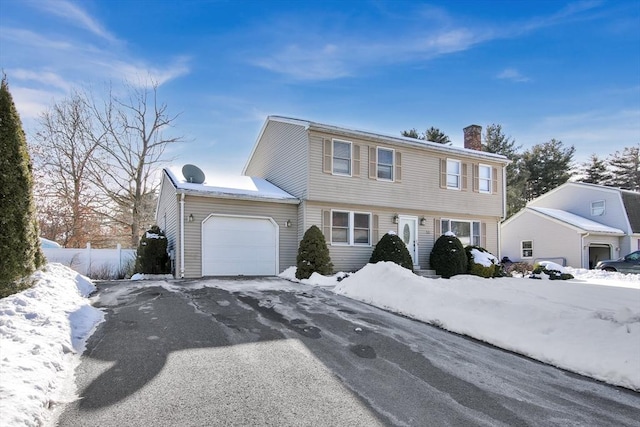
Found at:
<point>20,253</point>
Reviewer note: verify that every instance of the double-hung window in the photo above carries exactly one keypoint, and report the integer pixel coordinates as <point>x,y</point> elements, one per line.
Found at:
<point>484,178</point>
<point>341,157</point>
<point>526,248</point>
<point>385,164</point>
<point>468,232</point>
<point>597,208</point>
<point>350,228</point>
<point>453,174</point>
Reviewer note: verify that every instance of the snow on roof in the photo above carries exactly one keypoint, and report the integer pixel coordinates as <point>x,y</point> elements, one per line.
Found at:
<point>577,221</point>
<point>231,186</point>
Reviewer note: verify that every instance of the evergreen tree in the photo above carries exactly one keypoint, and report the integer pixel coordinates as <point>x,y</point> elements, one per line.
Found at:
<point>20,253</point>
<point>313,255</point>
<point>436,135</point>
<point>413,133</point>
<point>547,166</point>
<point>626,168</point>
<point>392,248</point>
<point>495,141</point>
<point>595,171</point>
<point>432,134</point>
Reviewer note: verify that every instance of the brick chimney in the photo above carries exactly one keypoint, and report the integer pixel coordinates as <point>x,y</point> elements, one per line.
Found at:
<point>473,137</point>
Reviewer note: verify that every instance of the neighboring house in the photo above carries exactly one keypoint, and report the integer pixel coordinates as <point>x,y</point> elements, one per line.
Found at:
<point>577,224</point>
<point>354,185</point>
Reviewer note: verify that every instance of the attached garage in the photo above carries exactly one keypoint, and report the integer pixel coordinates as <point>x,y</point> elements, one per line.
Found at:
<point>239,245</point>
<point>226,226</point>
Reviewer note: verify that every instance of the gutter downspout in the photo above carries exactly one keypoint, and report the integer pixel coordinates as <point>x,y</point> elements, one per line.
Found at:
<point>582,252</point>
<point>504,210</point>
<point>182,235</point>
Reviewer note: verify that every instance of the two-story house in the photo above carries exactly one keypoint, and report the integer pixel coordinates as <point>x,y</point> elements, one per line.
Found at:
<point>354,185</point>
<point>575,224</point>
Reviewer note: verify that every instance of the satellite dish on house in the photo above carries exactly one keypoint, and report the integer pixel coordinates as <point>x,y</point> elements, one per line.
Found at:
<point>193,174</point>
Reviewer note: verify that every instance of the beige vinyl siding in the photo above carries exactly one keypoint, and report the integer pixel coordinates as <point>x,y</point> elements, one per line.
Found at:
<point>550,239</point>
<point>352,258</point>
<point>419,188</point>
<point>201,207</point>
<point>281,157</point>
<point>167,217</point>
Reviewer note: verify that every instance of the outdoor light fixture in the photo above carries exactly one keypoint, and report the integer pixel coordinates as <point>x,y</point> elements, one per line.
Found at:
<point>288,223</point>
<point>423,221</point>
<point>396,219</point>
<point>190,217</point>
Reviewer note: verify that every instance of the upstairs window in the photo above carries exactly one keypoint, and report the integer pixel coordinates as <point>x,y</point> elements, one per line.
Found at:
<point>484,178</point>
<point>341,158</point>
<point>526,248</point>
<point>453,174</point>
<point>597,208</point>
<point>385,164</point>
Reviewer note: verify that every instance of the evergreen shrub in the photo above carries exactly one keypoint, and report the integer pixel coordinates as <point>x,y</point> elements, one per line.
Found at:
<point>392,248</point>
<point>152,256</point>
<point>20,253</point>
<point>553,274</point>
<point>448,257</point>
<point>478,269</point>
<point>313,255</point>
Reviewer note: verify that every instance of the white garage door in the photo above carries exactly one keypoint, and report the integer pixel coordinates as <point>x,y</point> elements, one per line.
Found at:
<point>236,245</point>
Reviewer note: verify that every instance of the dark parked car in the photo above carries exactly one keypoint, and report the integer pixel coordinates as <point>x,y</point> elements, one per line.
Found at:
<point>627,264</point>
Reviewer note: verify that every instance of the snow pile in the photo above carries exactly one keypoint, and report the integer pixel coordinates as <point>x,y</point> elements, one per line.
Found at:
<point>42,334</point>
<point>483,258</point>
<point>574,324</point>
<point>315,279</point>
<point>552,266</point>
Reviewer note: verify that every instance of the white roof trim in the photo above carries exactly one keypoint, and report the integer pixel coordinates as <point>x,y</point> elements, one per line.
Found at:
<point>577,222</point>
<point>390,139</point>
<point>230,187</point>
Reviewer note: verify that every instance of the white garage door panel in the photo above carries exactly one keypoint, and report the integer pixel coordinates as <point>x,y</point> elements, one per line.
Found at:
<point>239,245</point>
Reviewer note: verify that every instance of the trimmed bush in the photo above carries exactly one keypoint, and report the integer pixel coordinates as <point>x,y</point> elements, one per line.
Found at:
<point>313,255</point>
<point>152,256</point>
<point>392,248</point>
<point>448,257</point>
<point>478,268</point>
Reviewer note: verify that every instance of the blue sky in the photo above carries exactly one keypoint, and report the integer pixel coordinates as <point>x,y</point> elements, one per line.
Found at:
<point>541,69</point>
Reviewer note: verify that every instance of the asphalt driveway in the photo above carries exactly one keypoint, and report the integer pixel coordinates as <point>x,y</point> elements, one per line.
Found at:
<point>269,352</point>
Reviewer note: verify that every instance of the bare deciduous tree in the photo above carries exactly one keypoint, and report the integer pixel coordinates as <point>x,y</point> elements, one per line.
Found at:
<point>66,145</point>
<point>132,149</point>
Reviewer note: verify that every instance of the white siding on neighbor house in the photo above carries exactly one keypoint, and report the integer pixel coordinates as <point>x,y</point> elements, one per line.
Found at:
<point>551,239</point>
<point>281,157</point>
<point>167,215</point>
<point>577,198</point>
<point>202,207</point>
<point>352,258</point>
<point>419,187</point>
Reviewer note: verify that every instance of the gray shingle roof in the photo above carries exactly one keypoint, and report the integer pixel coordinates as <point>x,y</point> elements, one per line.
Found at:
<point>631,201</point>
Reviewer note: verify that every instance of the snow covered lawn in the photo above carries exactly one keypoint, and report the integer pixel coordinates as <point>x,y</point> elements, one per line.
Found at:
<point>42,335</point>
<point>589,325</point>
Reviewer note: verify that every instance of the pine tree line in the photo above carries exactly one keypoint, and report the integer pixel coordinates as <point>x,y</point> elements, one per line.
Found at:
<point>620,169</point>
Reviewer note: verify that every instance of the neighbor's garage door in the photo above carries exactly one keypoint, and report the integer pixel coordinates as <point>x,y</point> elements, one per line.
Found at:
<point>236,245</point>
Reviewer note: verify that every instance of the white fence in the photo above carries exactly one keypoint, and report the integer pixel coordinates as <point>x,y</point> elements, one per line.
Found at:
<point>94,263</point>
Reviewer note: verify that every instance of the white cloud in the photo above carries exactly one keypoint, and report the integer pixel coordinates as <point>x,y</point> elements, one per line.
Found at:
<point>74,15</point>
<point>513,75</point>
<point>338,53</point>
<point>46,77</point>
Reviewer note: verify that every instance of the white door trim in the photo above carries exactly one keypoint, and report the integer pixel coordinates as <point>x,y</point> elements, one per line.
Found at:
<point>214,215</point>
<point>408,219</point>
